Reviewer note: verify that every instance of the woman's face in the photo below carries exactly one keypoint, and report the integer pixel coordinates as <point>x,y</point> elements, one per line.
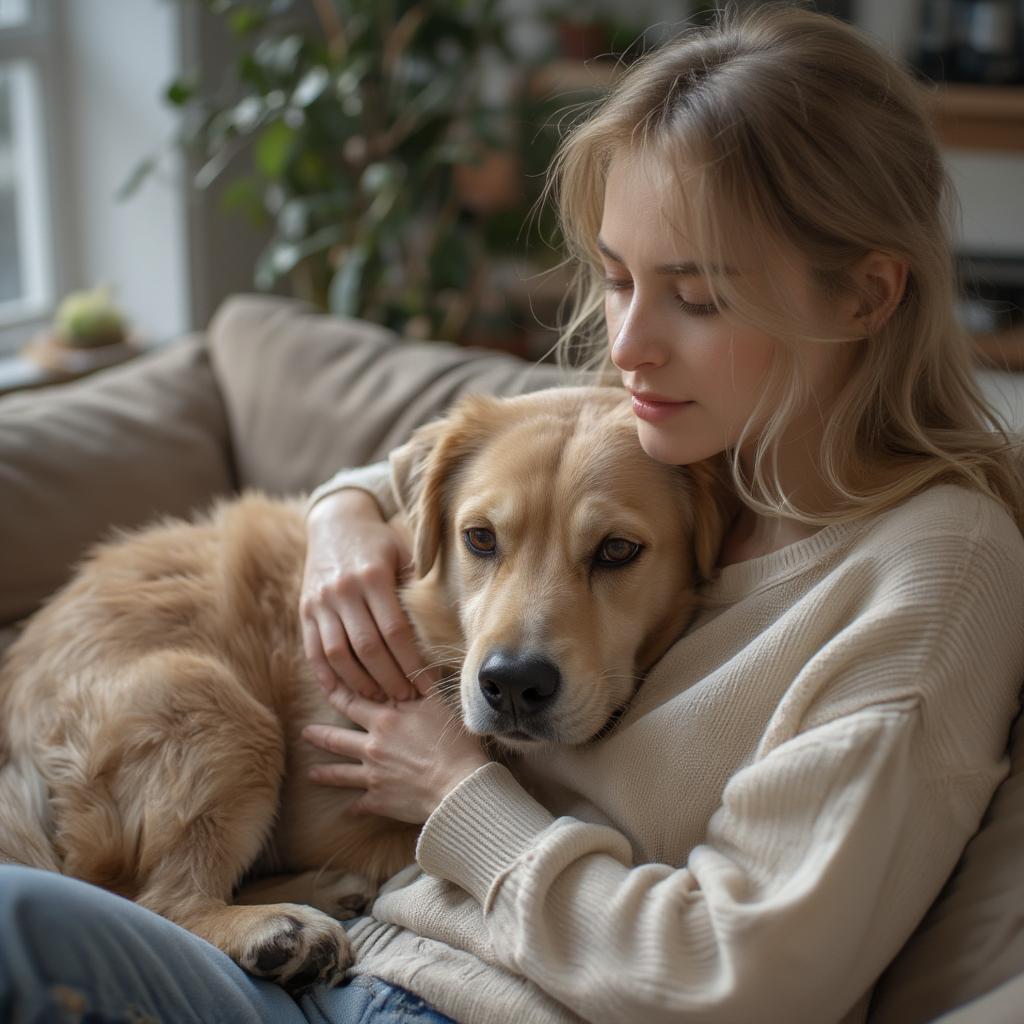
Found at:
<point>666,338</point>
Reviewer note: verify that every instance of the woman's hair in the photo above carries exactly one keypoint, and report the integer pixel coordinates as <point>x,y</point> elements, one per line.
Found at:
<point>788,130</point>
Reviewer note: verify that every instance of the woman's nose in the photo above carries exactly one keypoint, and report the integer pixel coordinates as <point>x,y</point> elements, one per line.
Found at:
<point>638,341</point>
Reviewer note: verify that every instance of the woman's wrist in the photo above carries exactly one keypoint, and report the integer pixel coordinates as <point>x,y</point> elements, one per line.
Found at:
<point>481,827</point>
<point>344,504</point>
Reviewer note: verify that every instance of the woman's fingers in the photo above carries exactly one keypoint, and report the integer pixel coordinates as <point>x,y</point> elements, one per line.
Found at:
<point>345,743</point>
<point>347,776</point>
<point>370,646</point>
<point>337,739</point>
<point>397,633</point>
<point>340,657</point>
<point>315,655</point>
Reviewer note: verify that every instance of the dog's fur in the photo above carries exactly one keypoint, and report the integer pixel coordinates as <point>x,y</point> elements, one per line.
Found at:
<point>152,709</point>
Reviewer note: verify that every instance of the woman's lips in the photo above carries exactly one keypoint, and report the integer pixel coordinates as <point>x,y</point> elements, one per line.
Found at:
<point>655,411</point>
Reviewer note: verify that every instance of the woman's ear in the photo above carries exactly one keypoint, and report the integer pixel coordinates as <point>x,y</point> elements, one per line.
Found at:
<point>881,282</point>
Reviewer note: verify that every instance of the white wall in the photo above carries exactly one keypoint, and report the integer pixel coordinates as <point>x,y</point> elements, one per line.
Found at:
<point>119,57</point>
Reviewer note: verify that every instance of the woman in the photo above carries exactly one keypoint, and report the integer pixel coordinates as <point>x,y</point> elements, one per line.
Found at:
<point>758,216</point>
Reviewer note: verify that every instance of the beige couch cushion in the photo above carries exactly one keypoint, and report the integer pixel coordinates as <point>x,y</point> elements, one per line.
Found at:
<point>971,941</point>
<point>308,394</point>
<point>113,449</point>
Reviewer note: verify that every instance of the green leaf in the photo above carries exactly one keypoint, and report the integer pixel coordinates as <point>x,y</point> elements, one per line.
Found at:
<point>293,219</point>
<point>377,176</point>
<point>311,86</point>
<point>244,196</point>
<point>246,20</point>
<point>344,296</point>
<point>142,170</point>
<point>274,148</point>
<point>451,262</point>
<point>180,91</point>
<point>279,56</point>
<point>247,113</point>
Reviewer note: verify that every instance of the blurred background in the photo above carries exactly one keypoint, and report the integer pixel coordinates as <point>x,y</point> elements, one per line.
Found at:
<point>384,158</point>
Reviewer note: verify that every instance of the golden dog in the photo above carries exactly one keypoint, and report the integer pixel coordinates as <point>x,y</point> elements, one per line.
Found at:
<point>152,709</point>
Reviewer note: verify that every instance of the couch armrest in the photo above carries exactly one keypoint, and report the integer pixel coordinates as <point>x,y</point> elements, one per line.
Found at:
<point>114,449</point>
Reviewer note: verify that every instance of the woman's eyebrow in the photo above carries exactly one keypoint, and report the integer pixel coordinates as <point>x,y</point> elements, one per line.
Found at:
<point>675,269</point>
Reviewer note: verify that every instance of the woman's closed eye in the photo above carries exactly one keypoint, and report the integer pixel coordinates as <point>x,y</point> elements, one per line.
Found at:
<point>693,308</point>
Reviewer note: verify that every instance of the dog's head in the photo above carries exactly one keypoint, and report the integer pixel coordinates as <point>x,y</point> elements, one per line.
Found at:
<point>553,560</point>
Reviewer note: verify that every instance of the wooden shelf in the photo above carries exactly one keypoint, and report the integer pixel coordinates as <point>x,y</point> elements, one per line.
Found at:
<point>41,364</point>
<point>985,117</point>
<point>1001,350</point>
<point>966,116</point>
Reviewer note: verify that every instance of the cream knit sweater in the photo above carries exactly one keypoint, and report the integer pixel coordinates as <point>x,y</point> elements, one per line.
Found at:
<point>770,820</point>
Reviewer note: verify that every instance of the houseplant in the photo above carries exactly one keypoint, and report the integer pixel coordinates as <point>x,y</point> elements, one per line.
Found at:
<point>372,144</point>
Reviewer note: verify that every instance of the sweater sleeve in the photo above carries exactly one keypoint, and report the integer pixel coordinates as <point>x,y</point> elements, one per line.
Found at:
<point>835,842</point>
<point>826,848</point>
<point>375,479</point>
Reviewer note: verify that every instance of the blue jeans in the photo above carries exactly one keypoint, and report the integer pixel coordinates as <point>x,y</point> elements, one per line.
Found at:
<point>71,952</point>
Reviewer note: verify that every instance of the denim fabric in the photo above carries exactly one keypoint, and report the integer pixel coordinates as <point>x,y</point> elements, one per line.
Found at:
<point>71,953</point>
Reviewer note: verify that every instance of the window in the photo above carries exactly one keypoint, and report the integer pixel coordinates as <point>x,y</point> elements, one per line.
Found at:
<point>26,250</point>
<point>13,12</point>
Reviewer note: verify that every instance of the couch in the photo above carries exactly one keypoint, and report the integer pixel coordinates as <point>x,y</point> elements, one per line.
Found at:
<point>276,396</point>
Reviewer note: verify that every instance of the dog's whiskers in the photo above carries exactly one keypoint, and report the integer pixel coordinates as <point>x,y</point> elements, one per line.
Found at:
<point>622,675</point>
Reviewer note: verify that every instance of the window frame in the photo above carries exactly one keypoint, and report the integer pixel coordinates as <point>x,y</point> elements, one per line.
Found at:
<point>38,42</point>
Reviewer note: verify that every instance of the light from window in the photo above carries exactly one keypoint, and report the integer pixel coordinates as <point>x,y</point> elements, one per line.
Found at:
<point>23,228</point>
<point>13,12</point>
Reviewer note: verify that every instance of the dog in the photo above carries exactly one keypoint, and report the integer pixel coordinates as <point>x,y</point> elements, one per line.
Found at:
<point>152,708</point>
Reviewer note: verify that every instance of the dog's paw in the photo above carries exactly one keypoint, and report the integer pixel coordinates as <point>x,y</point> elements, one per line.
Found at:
<point>297,947</point>
<point>342,894</point>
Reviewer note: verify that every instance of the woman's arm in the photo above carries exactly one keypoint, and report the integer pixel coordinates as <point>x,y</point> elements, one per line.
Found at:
<point>826,848</point>
<point>817,866</point>
<point>374,480</point>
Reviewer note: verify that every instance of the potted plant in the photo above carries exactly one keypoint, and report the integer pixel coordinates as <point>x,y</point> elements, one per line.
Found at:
<point>89,332</point>
<point>386,175</point>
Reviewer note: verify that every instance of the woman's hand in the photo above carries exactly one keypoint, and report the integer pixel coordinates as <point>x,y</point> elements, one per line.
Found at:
<point>411,756</point>
<point>354,631</point>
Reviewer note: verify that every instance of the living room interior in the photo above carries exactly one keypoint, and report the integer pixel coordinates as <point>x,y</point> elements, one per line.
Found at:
<point>210,211</point>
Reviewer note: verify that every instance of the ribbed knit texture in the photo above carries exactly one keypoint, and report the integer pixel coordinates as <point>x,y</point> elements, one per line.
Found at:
<point>767,824</point>
<point>374,479</point>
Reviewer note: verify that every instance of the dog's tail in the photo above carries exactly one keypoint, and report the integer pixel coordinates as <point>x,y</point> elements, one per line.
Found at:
<point>23,816</point>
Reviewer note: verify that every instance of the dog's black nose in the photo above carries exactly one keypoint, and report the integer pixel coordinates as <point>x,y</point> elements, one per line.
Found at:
<point>524,682</point>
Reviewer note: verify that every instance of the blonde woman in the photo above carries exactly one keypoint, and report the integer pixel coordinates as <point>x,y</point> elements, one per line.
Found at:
<point>759,219</point>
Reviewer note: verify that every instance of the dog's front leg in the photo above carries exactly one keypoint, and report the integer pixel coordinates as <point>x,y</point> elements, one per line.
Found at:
<point>341,894</point>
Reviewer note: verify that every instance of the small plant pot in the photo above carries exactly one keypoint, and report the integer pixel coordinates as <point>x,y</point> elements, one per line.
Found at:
<point>580,40</point>
<point>52,352</point>
<point>494,184</point>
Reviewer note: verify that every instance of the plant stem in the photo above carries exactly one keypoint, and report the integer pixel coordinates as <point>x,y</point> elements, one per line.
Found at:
<point>333,29</point>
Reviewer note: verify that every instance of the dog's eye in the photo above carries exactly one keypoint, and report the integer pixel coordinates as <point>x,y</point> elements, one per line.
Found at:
<point>615,551</point>
<point>480,541</point>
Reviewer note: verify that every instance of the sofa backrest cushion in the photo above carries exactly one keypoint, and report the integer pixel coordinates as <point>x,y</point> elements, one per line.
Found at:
<point>112,450</point>
<point>971,941</point>
<point>308,394</point>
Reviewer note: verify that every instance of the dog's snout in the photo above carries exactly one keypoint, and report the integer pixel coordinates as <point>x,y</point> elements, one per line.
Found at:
<point>525,683</point>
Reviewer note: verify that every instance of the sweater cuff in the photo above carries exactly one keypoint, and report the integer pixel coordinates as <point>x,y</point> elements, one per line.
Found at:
<point>480,829</point>
<point>374,479</point>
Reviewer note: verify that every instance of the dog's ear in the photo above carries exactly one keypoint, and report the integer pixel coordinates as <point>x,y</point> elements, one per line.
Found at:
<point>408,481</point>
<point>711,511</point>
<point>422,468</point>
